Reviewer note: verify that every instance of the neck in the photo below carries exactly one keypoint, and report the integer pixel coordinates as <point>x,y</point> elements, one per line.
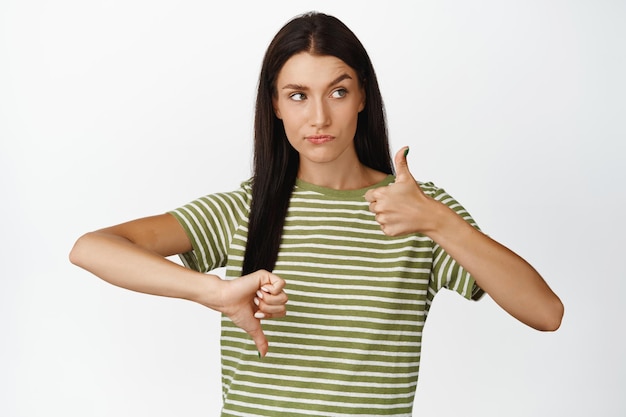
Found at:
<point>345,177</point>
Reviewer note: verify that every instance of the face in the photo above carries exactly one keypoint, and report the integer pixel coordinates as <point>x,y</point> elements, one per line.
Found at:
<point>318,98</point>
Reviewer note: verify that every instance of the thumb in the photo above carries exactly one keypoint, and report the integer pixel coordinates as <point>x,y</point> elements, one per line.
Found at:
<point>259,339</point>
<point>402,168</point>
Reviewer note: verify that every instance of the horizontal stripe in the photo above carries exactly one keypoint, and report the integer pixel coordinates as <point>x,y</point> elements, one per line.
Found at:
<point>326,374</point>
<point>301,399</point>
<point>350,344</point>
<point>358,386</point>
<point>329,329</point>
<point>298,410</point>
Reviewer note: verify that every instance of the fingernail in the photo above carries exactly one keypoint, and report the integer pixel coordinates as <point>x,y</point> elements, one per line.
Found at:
<point>267,290</point>
<point>406,152</point>
<point>259,294</point>
<point>256,301</point>
<point>259,315</point>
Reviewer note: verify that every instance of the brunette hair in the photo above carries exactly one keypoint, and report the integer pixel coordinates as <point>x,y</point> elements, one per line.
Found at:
<point>275,160</point>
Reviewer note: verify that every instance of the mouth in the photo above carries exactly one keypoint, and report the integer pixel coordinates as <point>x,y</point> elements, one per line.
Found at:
<point>319,139</point>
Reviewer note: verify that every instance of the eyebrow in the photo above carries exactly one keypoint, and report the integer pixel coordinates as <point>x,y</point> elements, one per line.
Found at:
<point>336,81</point>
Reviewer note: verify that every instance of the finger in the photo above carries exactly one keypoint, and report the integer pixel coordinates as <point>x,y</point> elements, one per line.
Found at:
<point>402,168</point>
<point>275,304</point>
<point>268,311</point>
<point>278,299</point>
<point>274,286</point>
<point>375,194</point>
<point>271,306</point>
<point>259,338</point>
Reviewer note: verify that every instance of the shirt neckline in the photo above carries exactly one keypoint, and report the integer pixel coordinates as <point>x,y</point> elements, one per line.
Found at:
<point>360,192</point>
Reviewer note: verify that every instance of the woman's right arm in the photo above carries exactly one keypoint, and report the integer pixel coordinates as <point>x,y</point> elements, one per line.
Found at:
<point>133,255</point>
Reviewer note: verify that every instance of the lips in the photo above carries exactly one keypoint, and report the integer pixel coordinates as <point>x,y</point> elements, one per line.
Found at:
<point>319,139</point>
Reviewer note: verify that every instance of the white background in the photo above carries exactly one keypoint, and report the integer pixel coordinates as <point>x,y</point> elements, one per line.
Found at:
<point>113,110</point>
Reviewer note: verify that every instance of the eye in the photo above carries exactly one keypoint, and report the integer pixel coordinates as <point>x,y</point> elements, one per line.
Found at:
<point>339,93</point>
<point>297,96</point>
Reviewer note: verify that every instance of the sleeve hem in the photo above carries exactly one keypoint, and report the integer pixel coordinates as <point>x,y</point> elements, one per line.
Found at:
<point>189,259</point>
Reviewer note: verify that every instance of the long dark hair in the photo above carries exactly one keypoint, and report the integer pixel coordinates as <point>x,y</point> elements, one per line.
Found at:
<point>275,160</point>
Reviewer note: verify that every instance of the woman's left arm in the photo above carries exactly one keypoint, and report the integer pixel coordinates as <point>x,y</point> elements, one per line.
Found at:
<point>510,281</point>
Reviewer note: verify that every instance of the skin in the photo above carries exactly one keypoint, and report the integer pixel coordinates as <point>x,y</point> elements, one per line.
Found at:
<point>318,98</point>
<point>403,208</point>
<point>320,95</point>
<point>133,255</point>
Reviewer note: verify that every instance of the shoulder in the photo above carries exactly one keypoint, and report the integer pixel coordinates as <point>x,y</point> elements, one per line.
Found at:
<point>441,195</point>
<point>232,203</point>
<point>245,188</point>
<point>430,189</point>
<point>242,194</point>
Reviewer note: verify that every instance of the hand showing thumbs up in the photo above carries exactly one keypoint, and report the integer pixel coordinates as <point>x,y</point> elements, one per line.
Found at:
<point>402,207</point>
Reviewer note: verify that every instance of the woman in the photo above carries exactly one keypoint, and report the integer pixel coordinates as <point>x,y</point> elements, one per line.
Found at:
<point>363,252</point>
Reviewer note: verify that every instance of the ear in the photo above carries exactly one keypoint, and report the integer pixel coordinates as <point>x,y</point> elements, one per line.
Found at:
<point>363,99</point>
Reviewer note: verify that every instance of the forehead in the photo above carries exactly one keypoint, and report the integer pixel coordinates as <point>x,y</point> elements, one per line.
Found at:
<point>312,70</point>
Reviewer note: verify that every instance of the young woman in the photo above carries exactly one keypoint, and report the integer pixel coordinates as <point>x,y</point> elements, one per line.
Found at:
<point>363,252</point>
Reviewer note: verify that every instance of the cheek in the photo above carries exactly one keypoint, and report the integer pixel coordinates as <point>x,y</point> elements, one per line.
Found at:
<point>291,119</point>
<point>290,124</point>
<point>349,116</point>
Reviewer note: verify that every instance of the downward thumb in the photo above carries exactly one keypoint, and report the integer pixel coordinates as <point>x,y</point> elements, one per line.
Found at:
<point>259,339</point>
<point>402,168</point>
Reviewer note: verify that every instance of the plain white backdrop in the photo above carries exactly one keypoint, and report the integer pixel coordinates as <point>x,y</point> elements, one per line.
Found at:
<point>113,110</point>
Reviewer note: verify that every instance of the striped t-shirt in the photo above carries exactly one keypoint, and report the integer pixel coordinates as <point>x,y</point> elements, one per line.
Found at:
<point>350,342</point>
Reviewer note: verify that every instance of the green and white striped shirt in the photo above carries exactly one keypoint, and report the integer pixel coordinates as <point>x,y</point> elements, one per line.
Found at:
<point>350,343</point>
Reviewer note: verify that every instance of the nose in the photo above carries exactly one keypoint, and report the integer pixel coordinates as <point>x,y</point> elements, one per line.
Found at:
<point>319,114</point>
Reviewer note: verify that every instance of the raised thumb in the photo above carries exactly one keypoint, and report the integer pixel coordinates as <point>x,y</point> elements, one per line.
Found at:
<point>402,168</point>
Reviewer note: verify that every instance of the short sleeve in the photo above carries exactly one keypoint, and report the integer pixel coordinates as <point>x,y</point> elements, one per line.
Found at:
<point>210,223</point>
<point>446,272</point>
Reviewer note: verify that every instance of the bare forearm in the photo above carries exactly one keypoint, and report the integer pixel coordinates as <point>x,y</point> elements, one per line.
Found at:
<point>124,264</point>
<point>515,285</point>
<point>511,281</point>
<point>132,255</point>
